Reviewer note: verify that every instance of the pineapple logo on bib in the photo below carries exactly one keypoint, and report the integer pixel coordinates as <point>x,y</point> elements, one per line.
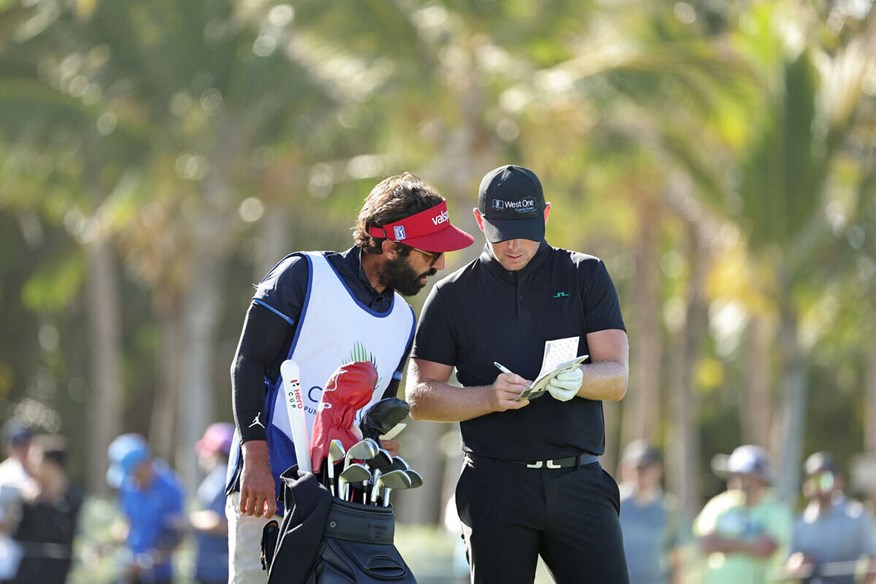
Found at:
<point>361,353</point>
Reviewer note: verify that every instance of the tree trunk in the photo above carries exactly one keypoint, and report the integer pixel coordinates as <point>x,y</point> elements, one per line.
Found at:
<point>683,469</point>
<point>212,236</point>
<point>870,393</point>
<point>789,454</point>
<point>276,239</point>
<point>642,404</point>
<point>104,315</point>
<point>196,397</point>
<point>756,413</point>
<point>163,431</point>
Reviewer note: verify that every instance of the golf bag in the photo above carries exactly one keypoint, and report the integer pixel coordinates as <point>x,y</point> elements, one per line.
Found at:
<point>326,540</point>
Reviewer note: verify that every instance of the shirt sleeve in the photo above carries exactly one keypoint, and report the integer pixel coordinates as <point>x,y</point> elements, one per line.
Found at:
<point>284,288</point>
<point>601,305</point>
<point>434,339</point>
<point>266,336</point>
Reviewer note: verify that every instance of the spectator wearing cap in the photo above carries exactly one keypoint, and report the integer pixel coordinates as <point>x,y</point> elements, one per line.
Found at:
<point>649,517</point>
<point>743,530</point>
<point>151,499</point>
<point>49,515</point>
<point>17,438</point>
<point>14,479</point>
<point>208,521</point>
<point>833,534</point>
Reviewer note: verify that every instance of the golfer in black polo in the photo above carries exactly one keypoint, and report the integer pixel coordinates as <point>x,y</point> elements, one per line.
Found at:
<point>532,484</point>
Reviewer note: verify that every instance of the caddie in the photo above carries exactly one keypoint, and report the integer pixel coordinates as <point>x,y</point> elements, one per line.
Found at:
<point>325,309</point>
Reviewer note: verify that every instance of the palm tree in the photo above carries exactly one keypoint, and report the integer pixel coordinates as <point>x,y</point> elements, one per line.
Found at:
<point>51,121</point>
<point>813,96</point>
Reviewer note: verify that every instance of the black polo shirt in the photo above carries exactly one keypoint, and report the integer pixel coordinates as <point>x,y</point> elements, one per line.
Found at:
<point>483,313</point>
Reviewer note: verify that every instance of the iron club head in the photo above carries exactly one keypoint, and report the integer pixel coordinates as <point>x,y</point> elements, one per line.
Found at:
<point>362,450</point>
<point>354,473</point>
<point>396,479</point>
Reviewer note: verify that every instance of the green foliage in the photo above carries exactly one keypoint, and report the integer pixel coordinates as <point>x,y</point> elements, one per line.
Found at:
<point>54,284</point>
<point>148,124</point>
<point>784,174</point>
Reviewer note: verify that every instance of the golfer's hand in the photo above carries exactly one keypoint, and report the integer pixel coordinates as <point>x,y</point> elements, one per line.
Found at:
<point>565,386</point>
<point>503,391</point>
<point>257,495</point>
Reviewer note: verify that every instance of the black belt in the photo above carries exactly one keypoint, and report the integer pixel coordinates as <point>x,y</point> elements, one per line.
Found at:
<point>568,462</point>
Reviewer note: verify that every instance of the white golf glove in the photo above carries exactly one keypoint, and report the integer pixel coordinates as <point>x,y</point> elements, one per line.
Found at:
<point>565,386</point>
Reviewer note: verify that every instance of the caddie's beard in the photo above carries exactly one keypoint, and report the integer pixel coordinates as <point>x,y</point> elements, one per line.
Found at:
<point>401,277</point>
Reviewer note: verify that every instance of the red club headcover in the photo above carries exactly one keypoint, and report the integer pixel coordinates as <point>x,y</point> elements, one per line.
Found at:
<point>348,390</point>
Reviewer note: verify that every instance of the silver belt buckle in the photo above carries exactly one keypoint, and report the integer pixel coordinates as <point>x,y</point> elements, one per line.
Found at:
<point>544,464</point>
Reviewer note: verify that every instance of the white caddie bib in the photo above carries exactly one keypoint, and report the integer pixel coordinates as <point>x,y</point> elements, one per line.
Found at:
<point>335,329</point>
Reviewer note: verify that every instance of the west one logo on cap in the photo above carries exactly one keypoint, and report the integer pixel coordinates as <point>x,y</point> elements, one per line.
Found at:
<point>524,205</point>
<point>399,232</point>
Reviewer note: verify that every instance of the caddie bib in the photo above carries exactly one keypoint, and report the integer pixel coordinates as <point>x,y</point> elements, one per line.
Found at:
<point>334,329</point>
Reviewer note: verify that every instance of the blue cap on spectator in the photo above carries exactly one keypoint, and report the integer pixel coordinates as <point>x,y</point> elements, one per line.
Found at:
<point>125,453</point>
<point>16,433</point>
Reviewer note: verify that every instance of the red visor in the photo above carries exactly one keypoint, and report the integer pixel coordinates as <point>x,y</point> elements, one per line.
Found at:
<point>429,230</point>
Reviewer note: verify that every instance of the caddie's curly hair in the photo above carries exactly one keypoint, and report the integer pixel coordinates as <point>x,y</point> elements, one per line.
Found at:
<point>392,199</point>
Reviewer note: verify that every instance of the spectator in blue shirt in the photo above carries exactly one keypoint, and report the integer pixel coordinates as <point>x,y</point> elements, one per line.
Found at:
<point>833,534</point>
<point>648,517</point>
<point>151,499</point>
<point>208,521</point>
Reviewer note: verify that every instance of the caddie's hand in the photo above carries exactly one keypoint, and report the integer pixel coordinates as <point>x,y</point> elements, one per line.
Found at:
<point>504,391</point>
<point>565,386</point>
<point>391,446</point>
<point>257,491</point>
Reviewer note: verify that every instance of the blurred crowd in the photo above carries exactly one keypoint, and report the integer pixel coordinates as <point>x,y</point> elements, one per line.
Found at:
<point>743,535</point>
<point>40,510</point>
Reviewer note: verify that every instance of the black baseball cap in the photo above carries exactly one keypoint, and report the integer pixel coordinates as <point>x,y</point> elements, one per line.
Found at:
<point>511,201</point>
<point>639,453</point>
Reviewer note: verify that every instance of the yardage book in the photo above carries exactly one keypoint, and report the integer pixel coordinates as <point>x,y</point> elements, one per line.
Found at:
<point>559,356</point>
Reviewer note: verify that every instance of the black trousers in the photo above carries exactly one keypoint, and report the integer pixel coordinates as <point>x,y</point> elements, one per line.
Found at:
<point>512,514</point>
